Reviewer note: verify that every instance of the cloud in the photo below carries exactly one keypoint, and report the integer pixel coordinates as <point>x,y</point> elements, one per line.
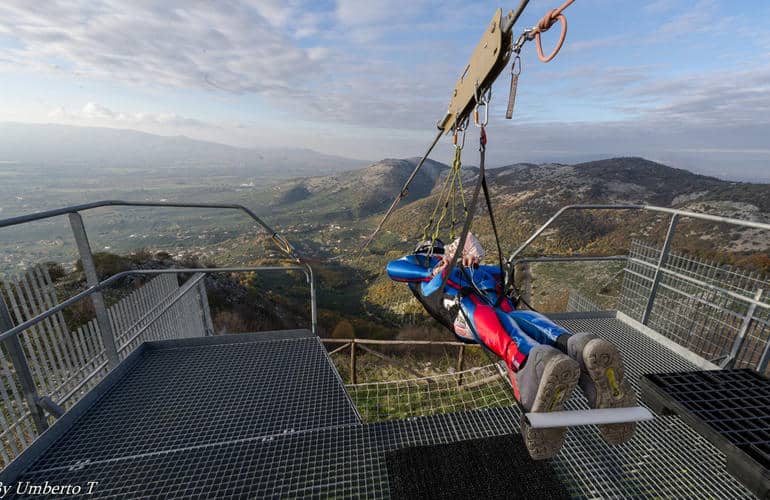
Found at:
<point>237,47</point>
<point>100,115</point>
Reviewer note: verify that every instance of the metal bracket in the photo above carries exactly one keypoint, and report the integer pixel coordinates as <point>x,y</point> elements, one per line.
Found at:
<point>486,63</point>
<point>50,406</point>
<point>575,418</point>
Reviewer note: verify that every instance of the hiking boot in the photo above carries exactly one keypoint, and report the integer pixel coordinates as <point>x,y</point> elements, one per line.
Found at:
<point>543,384</point>
<point>603,381</point>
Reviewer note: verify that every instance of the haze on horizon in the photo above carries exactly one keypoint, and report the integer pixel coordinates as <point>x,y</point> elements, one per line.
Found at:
<point>685,83</point>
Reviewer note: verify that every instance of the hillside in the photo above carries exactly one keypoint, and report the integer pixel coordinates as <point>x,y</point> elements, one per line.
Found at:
<point>331,215</point>
<point>524,196</point>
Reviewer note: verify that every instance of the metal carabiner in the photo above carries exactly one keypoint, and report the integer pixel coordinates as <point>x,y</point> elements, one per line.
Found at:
<point>459,144</point>
<point>525,36</point>
<point>481,101</point>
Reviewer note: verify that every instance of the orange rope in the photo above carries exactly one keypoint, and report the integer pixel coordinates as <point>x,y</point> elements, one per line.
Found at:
<point>548,20</point>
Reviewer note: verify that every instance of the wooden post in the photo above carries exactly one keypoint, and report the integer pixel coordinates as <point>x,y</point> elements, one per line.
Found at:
<point>353,379</point>
<point>460,363</point>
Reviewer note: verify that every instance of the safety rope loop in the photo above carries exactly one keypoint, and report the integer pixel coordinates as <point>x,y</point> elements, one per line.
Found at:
<point>546,22</point>
<point>562,36</point>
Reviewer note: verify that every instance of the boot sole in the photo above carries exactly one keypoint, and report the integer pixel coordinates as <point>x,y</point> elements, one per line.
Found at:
<point>560,376</point>
<point>604,365</point>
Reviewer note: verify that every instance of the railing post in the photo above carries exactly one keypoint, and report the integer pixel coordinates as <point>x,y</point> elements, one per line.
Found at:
<point>203,300</point>
<point>764,360</point>
<point>313,303</point>
<point>353,379</point>
<point>661,261</point>
<point>21,367</point>
<point>92,278</point>
<point>740,339</point>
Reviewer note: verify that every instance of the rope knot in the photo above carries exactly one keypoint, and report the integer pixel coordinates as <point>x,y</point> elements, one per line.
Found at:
<point>548,20</point>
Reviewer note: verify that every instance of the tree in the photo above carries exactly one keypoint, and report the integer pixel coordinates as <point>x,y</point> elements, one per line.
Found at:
<point>343,330</point>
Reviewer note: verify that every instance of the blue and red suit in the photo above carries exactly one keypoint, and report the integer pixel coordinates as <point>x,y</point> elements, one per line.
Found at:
<point>474,308</point>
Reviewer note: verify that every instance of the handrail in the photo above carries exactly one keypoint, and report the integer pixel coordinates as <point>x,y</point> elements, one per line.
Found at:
<point>112,279</point>
<point>47,214</point>
<point>652,208</point>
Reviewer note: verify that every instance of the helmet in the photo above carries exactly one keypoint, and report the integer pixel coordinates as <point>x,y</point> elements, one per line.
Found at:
<point>435,247</point>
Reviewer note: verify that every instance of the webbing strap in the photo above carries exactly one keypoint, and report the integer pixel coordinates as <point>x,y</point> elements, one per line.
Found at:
<point>469,218</point>
<point>494,230</point>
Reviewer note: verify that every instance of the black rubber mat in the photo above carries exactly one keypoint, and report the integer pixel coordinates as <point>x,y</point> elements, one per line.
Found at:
<point>496,467</point>
<point>730,408</point>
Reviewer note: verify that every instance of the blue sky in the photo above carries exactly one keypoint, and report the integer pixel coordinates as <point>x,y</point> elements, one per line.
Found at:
<point>683,82</point>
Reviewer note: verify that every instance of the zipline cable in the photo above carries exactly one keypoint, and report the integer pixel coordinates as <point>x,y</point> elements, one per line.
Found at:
<point>404,191</point>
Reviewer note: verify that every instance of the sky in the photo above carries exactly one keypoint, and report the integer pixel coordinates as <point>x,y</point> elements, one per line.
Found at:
<point>686,83</point>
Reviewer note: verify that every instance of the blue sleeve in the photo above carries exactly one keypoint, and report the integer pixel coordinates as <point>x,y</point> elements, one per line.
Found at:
<point>493,271</point>
<point>411,268</point>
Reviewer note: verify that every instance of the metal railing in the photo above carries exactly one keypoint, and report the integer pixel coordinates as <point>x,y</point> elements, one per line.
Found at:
<point>751,324</point>
<point>45,366</point>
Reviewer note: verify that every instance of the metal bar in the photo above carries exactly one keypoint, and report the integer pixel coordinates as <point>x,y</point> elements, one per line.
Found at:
<point>112,279</point>
<point>203,300</point>
<point>661,261</point>
<point>92,278</point>
<point>398,342</point>
<point>764,360</point>
<point>189,285</point>
<point>713,218</point>
<point>558,214</point>
<point>652,208</point>
<point>581,258</point>
<point>22,219</point>
<point>575,418</point>
<point>740,339</point>
<point>51,407</point>
<point>353,379</point>
<point>513,16</point>
<point>313,303</point>
<point>22,370</point>
<point>702,283</point>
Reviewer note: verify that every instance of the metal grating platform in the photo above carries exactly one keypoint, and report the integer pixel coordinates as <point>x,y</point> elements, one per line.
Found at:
<point>731,408</point>
<point>345,461</point>
<point>665,459</point>
<point>271,418</point>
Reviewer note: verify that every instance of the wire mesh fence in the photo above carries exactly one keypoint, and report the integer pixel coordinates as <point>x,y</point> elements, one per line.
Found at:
<point>475,388</point>
<point>580,303</point>
<point>708,318</point>
<point>65,363</point>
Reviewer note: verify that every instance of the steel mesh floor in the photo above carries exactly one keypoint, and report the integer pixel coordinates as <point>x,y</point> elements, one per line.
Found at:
<point>344,461</point>
<point>273,420</point>
<point>665,459</point>
<point>191,396</point>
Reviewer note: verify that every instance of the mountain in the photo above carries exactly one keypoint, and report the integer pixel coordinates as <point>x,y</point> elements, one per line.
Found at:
<point>70,148</point>
<point>525,195</point>
<point>358,193</point>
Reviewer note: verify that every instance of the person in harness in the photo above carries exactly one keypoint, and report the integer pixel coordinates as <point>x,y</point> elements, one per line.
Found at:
<point>545,361</point>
